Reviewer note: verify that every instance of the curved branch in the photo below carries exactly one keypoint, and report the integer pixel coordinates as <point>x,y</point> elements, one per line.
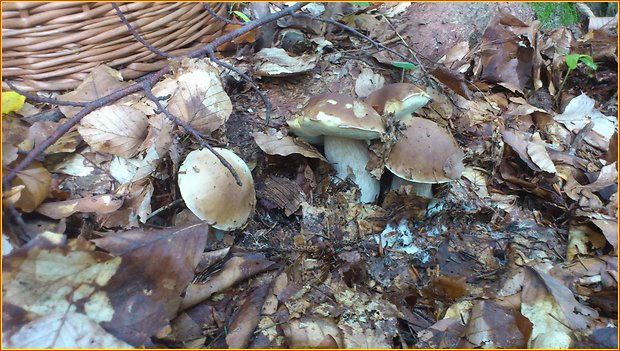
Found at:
<point>136,35</point>
<point>220,18</point>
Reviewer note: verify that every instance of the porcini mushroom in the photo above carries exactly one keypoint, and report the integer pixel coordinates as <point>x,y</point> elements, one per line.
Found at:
<point>399,99</point>
<point>343,125</point>
<point>211,192</point>
<point>425,154</point>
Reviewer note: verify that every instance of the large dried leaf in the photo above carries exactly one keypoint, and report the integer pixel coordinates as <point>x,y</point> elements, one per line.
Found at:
<point>246,319</point>
<point>98,204</point>
<point>308,332</point>
<point>202,104</point>
<point>367,82</point>
<point>236,269</point>
<point>610,231</point>
<point>37,183</point>
<point>118,130</point>
<point>552,309</point>
<point>275,143</point>
<point>156,267</point>
<point>101,81</point>
<point>493,326</point>
<point>538,154</point>
<point>275,62</point>
<point>64,331</point>
<point>49,276</point>
<point>579,112</point>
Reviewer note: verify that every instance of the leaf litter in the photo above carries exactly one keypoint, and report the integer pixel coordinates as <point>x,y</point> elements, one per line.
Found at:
<point>521,252</point>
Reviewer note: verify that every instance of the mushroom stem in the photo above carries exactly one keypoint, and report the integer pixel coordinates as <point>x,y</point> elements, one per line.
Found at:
<point>349,158</point>
<point>420,189</point>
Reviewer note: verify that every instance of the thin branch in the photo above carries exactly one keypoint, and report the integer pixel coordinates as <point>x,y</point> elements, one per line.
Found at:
<point>150,79</point>
<point>245,77</point>
<point>354,31</point>
<point>149,94</point>
<point>136,35</point>
<point>45,100</point>
<point>218,17</point>
<point>64,128</point>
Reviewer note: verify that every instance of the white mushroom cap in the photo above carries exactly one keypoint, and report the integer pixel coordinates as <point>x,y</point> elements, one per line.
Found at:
<point>211,192</point>
<point>426,153</point>
<point>400,99</point>
<point>336,115</point>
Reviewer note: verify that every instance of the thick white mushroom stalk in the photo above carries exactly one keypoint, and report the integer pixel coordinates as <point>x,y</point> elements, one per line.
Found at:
<point>349,158</point>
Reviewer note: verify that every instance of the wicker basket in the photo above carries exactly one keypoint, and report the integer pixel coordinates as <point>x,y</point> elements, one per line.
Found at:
<point>53,46</point>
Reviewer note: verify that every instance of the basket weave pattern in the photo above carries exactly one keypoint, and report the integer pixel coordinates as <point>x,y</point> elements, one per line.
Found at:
<point>53,46</point>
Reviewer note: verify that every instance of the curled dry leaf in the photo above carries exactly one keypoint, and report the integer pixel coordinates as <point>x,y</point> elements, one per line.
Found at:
<point>247,318</point>
<point>478,180</point>
<point>538,154</point>
<point>367,82</point>
<point>609,227</point>
<point>64,331</point>
<point>493,326</point>
<point>235,270</point>
<point>275,62</point>
<point>198,96</point>
<point>309,332</point>
<point>101,81</point>
<point>98,204</point>
<point>37,183</point>
<point>275,143</point>
<point>118,130</point>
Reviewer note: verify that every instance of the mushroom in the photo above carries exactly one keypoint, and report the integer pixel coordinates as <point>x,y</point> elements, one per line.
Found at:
<point>425,154</point>
<point>343,125</point>
<point>211,192</point>
<point>399,99</point>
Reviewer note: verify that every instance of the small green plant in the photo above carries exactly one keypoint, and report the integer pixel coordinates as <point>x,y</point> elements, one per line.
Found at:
<point>404,66</point>
<point>242,15</point>
<point>572,60</point>
<point>555,14</point>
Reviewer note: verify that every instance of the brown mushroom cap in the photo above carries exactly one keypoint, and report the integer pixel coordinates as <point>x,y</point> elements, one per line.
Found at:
<point>336,115</point>
<point>401,99</point>
<point>211,192</point>
<point>426,153</point>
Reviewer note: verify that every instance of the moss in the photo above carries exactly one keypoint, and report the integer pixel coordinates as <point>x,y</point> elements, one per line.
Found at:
<point>555,14</point>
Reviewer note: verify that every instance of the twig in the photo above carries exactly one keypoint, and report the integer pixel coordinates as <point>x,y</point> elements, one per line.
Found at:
<point>136,35</point>
<point>354,31</point>
<point>137,86</point>
<point>406,45</point>
<point>64,128</point>
<point>163,208</point>
<point>45,100</point>
<point>149,94</point>
<point>218,17</point>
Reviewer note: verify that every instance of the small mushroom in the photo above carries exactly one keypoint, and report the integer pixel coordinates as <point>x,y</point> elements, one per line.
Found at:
<point>343,125</point>
<point>399,99</point>
<point>425,154</point>
<point>211,192</point>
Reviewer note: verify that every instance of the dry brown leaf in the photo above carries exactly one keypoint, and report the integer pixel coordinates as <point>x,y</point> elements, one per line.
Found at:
<point>37,183</point>
<point>519,141</point>
<point>234,270</point>
<point>538,154</point>
<point>367,82</point>
<point>101,81</point>
<point>493,326</point>
<point>310,333</point>
<point>74,275</point>
<point>156,267</point>
<point>136,207</point>
<point>246,319</point>
<point>552,310</point>
<point>203,105</point>
<point>62,330</point>
<point>275,62</point>
<point>118,130</point>
<point>609,228</point>
<point>478,180</point>
<point>583,240</point>
<point>98,204</point>
<point>275,143</point>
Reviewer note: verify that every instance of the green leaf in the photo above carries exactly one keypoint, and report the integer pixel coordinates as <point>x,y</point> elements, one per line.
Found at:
<point>403,65</point>
<point>588,61</point>
<point>242,15</point>
<point>359,3</point>
<point>572,60</point>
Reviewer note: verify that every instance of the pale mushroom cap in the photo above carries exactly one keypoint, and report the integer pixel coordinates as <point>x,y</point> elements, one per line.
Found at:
<point>336,115</point>
<point>401,99</point>
<point>211,192</point>
<point>426,153</point>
